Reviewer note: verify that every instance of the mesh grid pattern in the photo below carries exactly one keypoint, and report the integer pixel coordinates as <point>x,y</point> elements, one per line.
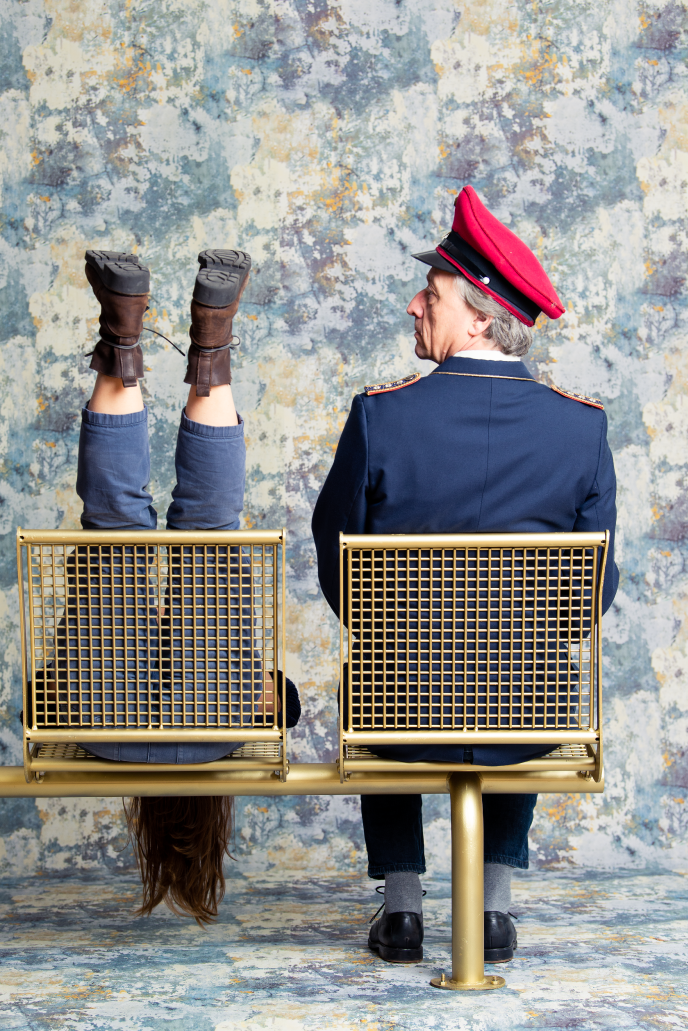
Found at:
<point>62,752</point>
<point>67,752</point>
<point>152,635</point>
<point>573,753</point>
<point>471,638</point>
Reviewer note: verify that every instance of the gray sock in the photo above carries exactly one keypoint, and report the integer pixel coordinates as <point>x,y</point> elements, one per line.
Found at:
<point>403,893</point>
<point>497,887</point>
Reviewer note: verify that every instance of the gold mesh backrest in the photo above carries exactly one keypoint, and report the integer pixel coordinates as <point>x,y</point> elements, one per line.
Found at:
<point>146,635</point>
<point>470,636</point>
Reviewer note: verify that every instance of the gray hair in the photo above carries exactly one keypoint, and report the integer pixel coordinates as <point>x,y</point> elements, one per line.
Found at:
<point>510,334</point>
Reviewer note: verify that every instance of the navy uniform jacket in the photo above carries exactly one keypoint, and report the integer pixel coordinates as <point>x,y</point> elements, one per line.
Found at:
<point>475,446</point>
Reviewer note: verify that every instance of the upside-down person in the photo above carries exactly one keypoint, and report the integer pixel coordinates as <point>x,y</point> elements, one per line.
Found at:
<point>478,445</point>
<point>180,843</point>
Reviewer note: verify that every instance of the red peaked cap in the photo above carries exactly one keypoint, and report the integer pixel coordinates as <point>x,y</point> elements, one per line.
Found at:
<point>495,260</point>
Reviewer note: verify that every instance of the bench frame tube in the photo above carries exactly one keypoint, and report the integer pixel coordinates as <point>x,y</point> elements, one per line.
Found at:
<point>468,926</point>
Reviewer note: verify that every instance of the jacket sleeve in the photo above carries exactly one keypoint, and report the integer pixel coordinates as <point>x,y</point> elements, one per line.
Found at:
<point>293,701</point>
<point>342,505</point>
<point>598,512</point>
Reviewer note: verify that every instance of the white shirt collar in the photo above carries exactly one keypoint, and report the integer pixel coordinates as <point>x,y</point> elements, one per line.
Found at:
<point>487,356</point>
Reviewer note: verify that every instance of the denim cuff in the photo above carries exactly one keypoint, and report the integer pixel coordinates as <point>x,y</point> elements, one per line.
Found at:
<point>90,418</point>
<point>378,872</point>
<point>515,864</point>
<point>201,430</point>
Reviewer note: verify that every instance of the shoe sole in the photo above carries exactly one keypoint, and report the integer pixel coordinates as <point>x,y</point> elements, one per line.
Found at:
<point>397,955</point>
<point>498,955</point>
<point>221,277</point>
<point>501,955</point>
<point>121,273</point>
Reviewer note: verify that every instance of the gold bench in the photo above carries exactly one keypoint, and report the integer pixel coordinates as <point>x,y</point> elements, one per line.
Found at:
<point>166,636</point>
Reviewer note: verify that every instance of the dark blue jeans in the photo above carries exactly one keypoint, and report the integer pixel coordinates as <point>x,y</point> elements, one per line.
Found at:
<point>393,828</point>
<point>393,824</point>
<point>113,473</point>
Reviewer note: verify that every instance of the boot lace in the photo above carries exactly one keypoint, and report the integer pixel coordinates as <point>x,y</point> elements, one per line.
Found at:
<point>147,330</point>
<point>381,891</point>
<point>233,344</point>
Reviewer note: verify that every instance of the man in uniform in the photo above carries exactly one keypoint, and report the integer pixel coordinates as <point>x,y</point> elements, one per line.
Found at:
<point>478,445</point>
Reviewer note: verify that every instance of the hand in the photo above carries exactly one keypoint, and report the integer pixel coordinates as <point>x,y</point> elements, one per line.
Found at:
<point>269,696</point>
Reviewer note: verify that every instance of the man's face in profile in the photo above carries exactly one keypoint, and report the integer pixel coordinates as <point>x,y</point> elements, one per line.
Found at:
<point>443,322</point>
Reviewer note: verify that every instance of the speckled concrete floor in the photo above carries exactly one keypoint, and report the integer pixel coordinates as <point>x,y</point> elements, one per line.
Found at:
<point>595,952</point>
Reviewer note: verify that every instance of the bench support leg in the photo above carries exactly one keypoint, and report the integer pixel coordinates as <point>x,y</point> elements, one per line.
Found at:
<point>468,941</point>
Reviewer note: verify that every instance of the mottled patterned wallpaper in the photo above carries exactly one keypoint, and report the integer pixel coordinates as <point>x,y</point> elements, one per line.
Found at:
<point>329,138</point>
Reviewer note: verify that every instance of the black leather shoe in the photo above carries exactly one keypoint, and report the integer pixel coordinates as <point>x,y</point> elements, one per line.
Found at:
<point>398,937</point>
<point>500,937</point>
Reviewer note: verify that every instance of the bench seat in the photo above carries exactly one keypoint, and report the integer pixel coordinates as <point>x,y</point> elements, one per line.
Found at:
<point>359,759</point>
<point>71,758</point>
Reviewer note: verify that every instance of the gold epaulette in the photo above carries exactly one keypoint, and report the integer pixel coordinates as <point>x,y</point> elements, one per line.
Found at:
<point>397,384</point>
<point>594,402</point>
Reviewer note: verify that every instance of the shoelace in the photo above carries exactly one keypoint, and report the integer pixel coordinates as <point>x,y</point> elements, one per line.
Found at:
<point>204,350</point>
<point>147,330</point>
<point>215,351</point>
<point>130,347</point>
<point>233,343</point>
<point>120,347</point>
<point>380,890</point>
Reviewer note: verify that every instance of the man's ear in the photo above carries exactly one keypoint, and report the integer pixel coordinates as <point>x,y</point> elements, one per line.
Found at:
<point>480,324</point>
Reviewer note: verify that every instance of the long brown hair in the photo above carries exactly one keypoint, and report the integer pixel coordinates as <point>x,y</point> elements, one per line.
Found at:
<point>180,845</point>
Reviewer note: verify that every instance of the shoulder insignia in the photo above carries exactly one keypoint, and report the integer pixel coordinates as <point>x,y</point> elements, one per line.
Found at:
<point>594,402</point>
<point>397,384</point>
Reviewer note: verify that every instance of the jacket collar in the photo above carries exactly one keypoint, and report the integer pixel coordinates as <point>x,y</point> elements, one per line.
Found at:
<point>478,367</point>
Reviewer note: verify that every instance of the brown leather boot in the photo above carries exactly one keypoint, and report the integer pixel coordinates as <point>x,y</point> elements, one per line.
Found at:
<point>121,284</point>
<point>219,286</point>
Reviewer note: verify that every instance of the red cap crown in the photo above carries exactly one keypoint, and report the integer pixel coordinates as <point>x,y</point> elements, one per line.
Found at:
<point>509,255</point>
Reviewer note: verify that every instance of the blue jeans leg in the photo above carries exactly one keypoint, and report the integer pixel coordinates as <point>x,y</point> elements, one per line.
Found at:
<point>210,463</point>
<point>211,472</point>
<point>113,472</point>
<point>507,820</point>
<point>393,829</point>
<point>114,469</point>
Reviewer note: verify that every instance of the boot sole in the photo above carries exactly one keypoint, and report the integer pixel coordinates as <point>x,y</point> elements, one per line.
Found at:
<point>221,277</point>
<point>226,259</point>
<point>391,955</point>
<point>120,273</point>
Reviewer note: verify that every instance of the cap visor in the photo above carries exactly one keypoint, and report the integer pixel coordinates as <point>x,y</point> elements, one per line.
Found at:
<point>437,261</point>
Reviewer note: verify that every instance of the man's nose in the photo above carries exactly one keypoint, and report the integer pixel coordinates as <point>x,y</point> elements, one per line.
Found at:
<point>415,307</point>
